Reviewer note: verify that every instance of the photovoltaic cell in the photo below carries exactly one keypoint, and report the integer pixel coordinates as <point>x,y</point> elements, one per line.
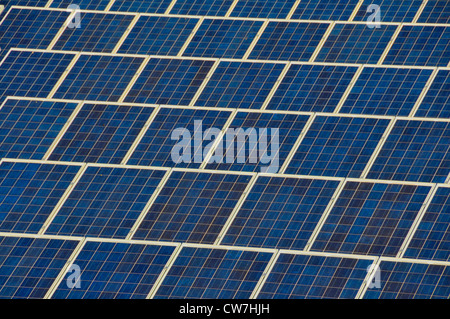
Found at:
<point>268,9</point>
<point>98,78</point>
<point>355,43</point>
<point>386,91</point>
<point>280,213</point>
<point>202,7</point>
<point>415,151</point>
<point>389,10</point>
<point>192,207</point>
<point>28,128</point>
<point>312,88</point>
<point>325,9</point>
<point>291,41</point>
<point>158,35</point>
<point>404,280</point>
<point>101,133</point>
<point>371,218</point>
<point>29,266</point>
<point>202,273</point>
<point>435,11</point>
<point>240,85</point>
<point>116,271</point>
<point>106,202</point>
<point>161,139</point>
<point>337,146</point>
<point>143,6</point>
<point>314,277</point>
<point>432,237</point>
<point>437,100</point>
<point>83,4</point>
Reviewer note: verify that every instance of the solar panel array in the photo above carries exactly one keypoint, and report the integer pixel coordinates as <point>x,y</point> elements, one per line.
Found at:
<point>357,206</point>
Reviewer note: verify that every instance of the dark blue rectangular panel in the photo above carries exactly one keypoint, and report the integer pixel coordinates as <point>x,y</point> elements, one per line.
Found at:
<point>437,99</point>
<point>371,219</point>
<point>268,9</point>
<point>99,78</point>
<point>289,41</point>
<point>143,6</point>
<point>202,7</point>
<point>116,271</point>
<point>337,146</point>
<point>389,10</point>
<point>192,207</point>
<point>435,11</point>
<point>83,4</point>
<point>101,133</point>
<point>315,277</point>
<point>28,128</point>
<point>415,151</point>
<point>325,9</point>
<point>312,88</point>
<point>280,213</point>
<point>28,266</point>
<point>201,273</point>
<point>106,202</point>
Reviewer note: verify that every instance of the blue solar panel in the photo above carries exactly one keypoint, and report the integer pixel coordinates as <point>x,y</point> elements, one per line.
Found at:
<point>269,9</point>
<point>202,7</point>
<point>101,133</point>
<point>314,277</point>
<point>143,6</point>
<point>337,146</point>
<point>83,4</point>
<point>158,35</point>
<point>421,45</point>
<point>106,202</point>
<point>116,271</point>
<point>371,218</point>
<point>386,91</point>
<point>312,88</point>
<point>288,41</point>
<point>29,266</point>
<point>157,145</point>
<point>223,38</point>
<point>390,10</point>
<point>432,237</point>
<point>404,280</point>
<point>28,128</point>
<point>435,11</point>
<point>437,100</point>
<point>355,43</point>
<point>415,151</point>
<point>192,207</point>
<point>325,9</point>
<point>240,85</point>
<point>202,273</point>
<point>280,213</point>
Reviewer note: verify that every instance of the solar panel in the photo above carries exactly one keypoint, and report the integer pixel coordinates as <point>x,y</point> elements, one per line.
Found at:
<point>202,7</point>
<point>83,4</point>
<point>280,213</point>
<point>143,6</point>
<point>437,99</point>
<point>203,273</point>
<point>101,133</point>
<point>263,9</point>
<point>371,218</point>
<point>435,11</point>
<point>324,9</point>
<point>389,10</point>
<point>28,128</point>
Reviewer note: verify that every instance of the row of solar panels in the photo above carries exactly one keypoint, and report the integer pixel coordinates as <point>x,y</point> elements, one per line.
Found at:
<point>434,11</point>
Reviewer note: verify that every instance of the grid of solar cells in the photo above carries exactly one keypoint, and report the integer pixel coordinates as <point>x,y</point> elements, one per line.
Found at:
<point>432,237</point>
<point>116,271</point>
<point>324,9</point>
<point>291,41</point>
<point>101,133</point>
<point>106,202</point>
<point>240,85</point>
<point>158,146</point>
<point>314,277</point>
<point>83,4</point>
<point>31,74</point>
<point>169,81</point>
<point>143,6</point>
<point>389,10</point>
<point>98,78</point>
<point>252,142</point>
<point>421,45</point>
<point>29,266</point>
<point>25,28</point>
<point>403,280</point>
<point>386,91</point>
<point>337,146</point>
<point>371,218</point>
<point>28,128</point>
<point>312,88</point>
<point>203,273</point>
<point>437,99</point>
<point>355,43</point>
<point>280,213</point>
<point>192,207</point>
<point>158,35</point>
<point>415,151</point>
<point>223,38</point>
<point>268,9</point>
<point>98,32</point>
<point>202,7</point>
<point>435,11</point>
